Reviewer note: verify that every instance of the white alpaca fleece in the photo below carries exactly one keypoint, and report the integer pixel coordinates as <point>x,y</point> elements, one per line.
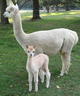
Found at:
<point>35,66</point>
<point>48,41</point>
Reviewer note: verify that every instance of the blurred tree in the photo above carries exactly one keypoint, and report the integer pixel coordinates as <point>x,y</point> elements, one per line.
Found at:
<point>77,1</point>
<point>67,3</point>
<point>3,7</point>
<point>36,10</point>
<point>20,2</point>
<point>46,4</point>
<point>56,3</point>
<point>35,7</point>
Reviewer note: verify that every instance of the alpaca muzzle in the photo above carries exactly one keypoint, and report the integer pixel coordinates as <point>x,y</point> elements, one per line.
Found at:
<point>30,55</point>
<point>4,14</point>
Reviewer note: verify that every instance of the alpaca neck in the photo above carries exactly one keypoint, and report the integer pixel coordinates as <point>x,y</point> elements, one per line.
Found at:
<point>17,25</point>
<point>29,61</point>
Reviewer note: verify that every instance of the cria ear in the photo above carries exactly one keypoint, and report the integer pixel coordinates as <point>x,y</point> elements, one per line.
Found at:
<point>34,46</point>
<point>27,46</point>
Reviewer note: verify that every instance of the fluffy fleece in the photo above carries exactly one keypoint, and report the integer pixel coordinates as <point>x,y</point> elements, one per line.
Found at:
<point>48,41</point>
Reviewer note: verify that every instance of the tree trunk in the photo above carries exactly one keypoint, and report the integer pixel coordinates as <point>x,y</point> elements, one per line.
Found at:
<point>57,7</point>
<point>67,7</point>
<point>36,10</point>
<point>47,8</point>
<point>3,7</point>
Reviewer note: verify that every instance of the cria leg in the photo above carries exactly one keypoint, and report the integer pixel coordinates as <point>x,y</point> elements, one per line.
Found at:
<point>47,79</point>
<point>41,74</point>
<point>36,81</point>
<point>30,81</point>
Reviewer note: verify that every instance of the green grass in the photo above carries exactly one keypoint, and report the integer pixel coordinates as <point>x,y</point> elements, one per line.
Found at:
<point>13,75</point>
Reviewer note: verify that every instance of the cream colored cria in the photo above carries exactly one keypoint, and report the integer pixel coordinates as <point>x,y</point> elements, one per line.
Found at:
<point>35,66</point>
<point>48,41</point>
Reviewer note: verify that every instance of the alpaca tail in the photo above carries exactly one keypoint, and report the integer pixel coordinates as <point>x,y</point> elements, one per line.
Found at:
<point>76,37</point>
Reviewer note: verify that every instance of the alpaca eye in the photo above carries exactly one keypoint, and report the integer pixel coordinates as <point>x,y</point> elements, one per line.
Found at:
<point>28,51</point>
<point>9,11</point>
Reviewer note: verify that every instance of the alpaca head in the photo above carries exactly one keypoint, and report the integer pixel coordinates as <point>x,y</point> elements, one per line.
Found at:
<point>30,50</point>
<point>11,10</point>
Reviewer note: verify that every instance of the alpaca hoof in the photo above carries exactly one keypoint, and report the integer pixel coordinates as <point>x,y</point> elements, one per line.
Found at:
<point>61,74</point>
<point>47,86</point>
<point>36,90</point>
<point>29,91</point>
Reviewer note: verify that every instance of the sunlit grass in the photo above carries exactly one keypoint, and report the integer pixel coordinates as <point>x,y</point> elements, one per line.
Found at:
<point>65,14</point>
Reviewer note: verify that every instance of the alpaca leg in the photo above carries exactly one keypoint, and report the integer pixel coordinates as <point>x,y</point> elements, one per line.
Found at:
<point>36,81</point>
<point>30,81</point>
<point>63,68</point>
<point>65,63</point>
<point>41,74</point>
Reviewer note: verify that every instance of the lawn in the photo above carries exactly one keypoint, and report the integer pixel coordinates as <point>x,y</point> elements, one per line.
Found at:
<point>13,75</point>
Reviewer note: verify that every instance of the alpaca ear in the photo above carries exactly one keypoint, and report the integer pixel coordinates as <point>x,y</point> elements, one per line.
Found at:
<point>16,9</point>
<point>34,46</point>
<point>26,46</point>
<point>17,6</point>
<point>11,8</point>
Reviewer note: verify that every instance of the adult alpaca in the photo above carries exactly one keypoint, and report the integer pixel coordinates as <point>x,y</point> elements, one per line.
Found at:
<point>48,42</point>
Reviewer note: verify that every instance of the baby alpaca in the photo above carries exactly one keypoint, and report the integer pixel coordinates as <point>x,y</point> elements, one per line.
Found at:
<point>37,65</point>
